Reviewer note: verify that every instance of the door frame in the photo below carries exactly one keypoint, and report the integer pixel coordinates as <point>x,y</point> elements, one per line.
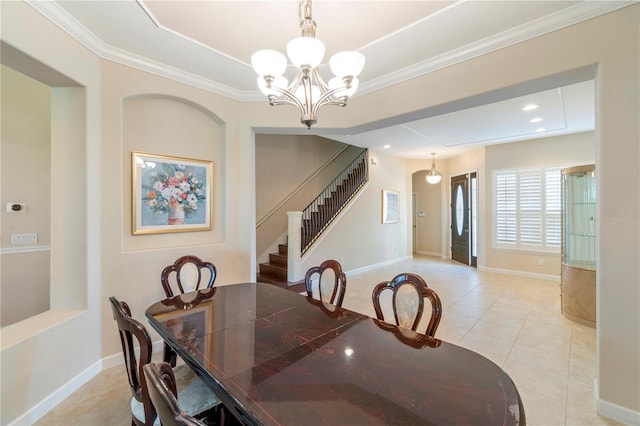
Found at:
<point>472,212</point>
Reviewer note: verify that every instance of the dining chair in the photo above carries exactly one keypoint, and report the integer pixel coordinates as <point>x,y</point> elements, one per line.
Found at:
<point>409,337</point>
<point>186,274</point>
<point>408,292</point>
<point>161,383</point>
<point>326,282</point>
<point>196,396</point>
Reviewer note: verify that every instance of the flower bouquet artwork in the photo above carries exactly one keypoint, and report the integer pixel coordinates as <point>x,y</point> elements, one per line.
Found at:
<point>170,194</point>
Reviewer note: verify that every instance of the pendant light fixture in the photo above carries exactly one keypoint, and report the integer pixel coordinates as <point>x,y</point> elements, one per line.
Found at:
<point>307,91</point>
<point>433,177</point>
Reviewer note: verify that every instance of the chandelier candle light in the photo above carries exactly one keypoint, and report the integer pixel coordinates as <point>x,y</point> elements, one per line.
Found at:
<point>307,91</point>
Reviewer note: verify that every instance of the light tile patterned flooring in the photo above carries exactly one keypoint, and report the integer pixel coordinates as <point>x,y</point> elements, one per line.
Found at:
<point>514,321</point>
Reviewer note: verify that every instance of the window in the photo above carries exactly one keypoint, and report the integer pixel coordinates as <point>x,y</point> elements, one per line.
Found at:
<point>527,208</point>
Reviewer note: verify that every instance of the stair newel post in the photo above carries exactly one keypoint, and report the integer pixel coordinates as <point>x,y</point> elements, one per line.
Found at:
<point>294,269</point>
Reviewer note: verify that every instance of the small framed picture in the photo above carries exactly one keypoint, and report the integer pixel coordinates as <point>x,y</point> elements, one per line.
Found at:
<point>170,194</point>
<point>390,206</point>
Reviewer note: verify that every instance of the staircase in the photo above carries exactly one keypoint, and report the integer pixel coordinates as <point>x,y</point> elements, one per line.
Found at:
<point>275,271</point>
<point>316,217</point>
<point>326,207</point>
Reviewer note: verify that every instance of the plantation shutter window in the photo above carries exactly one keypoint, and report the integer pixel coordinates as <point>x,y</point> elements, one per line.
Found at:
<point>527,209</point>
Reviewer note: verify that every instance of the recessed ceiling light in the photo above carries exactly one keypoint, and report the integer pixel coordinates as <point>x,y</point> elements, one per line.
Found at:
<point>387,146</point>
<point>540,129</point>
<point>530,107</point>
<point>535,120</point>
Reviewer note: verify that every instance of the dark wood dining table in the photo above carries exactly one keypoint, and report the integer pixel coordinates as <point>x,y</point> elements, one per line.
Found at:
<point>276,357</point>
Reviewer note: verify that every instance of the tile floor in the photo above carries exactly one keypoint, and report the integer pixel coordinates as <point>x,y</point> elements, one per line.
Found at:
<point>514,321</point>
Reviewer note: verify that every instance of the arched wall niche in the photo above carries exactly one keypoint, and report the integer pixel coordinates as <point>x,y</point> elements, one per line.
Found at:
<point>173,126</point>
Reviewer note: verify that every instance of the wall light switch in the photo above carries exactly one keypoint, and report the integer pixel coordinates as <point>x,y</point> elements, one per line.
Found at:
<point>30,238</point>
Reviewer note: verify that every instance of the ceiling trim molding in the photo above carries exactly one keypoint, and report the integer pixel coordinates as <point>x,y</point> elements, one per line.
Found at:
<point>562,19</point>
<point>60,17</point>
<point>570,16</point>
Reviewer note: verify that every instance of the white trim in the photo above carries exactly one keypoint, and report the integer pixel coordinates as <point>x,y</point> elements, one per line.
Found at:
<point>39,410</point>
<point>429,253</point>
<point>564,18</point>
<point>378,265</point>
<point>30,249</point>
<point>614,411</point>
<point>47,404</point>
<point>548,277</point>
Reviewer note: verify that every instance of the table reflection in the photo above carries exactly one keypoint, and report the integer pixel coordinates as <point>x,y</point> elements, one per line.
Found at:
<point>276,357</point>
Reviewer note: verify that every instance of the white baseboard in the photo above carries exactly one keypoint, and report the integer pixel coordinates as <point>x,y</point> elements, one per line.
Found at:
<point>430,253</point>
<point>378,265</point>
<point>548,277</point>
<point>50,402</point>
<point>614,411</point>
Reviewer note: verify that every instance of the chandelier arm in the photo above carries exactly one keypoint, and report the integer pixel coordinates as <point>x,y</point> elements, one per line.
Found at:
<point>319,80</point>
<point>292,99</point>
<point>295,83</point>
<point>325,99</point>
<point>277,102</point>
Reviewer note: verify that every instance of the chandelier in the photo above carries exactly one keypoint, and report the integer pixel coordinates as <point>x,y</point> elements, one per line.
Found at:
<point>433,176</point>
<point>308,91</point>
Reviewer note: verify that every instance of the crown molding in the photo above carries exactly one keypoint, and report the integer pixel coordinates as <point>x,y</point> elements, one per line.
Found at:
<point>60,17</point>
<point>53,12</point>
<point>562,19</point>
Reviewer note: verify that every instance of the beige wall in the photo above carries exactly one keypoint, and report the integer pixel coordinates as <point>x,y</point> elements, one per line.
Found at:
<point>64,353</point>
<point>284,162</point>
<point>60,347</point>
<point>617,155</point>
<point>25,176</point>
<point>429,200</point>
<point>359,238</point>
<point>291,170</point>
<point>561,151</point>
<point>195,124</point>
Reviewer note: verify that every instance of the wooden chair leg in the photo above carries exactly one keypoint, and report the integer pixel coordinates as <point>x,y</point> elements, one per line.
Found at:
<point>169,355</point>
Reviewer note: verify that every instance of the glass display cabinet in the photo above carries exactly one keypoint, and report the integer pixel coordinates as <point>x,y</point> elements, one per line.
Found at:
<point>578,275</point>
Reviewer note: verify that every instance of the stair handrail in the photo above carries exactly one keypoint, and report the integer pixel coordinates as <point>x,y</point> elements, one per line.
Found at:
<point>301,186</point>
<point>318,215</point>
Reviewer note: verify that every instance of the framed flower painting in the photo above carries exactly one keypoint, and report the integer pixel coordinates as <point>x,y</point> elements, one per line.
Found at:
<point>170,194</point>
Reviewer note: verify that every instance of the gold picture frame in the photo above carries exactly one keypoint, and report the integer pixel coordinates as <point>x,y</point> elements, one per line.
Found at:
<point>390,206</point>
<point>170,194</point>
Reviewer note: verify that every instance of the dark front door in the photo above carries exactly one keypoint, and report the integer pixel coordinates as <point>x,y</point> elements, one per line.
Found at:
<point>460,219</point>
